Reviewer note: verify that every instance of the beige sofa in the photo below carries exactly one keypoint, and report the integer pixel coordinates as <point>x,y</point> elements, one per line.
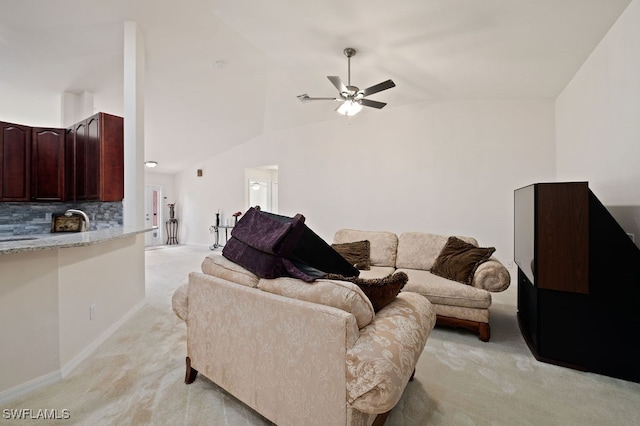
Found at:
<point>301,353</point>
<point>456,304</point>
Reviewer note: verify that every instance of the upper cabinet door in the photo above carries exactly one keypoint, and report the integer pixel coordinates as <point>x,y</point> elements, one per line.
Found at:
<point>80,165</point>
<point>111,157</point>
<point>92,174</point>
<point>99,156</point>
<point>70,164</point>
<point>15,161</point>
<point>47,164</point>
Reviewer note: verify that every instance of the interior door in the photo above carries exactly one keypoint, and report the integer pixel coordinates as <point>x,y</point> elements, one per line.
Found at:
<point>152,214</point>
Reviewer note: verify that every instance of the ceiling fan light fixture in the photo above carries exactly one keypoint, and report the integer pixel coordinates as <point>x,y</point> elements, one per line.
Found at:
<point>349,108</point>
<point>352,98</point>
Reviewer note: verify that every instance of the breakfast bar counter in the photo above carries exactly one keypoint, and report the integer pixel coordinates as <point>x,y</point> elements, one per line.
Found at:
<point>25,243</point>
<point>61,296</point>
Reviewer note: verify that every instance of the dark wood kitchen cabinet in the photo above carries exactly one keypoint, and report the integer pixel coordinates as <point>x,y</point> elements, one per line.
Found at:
<point>96,146</point>
<point>94,153</point>
<point>48,164</point>
<point>15,162</point>
<point>82,163</point>
<point>77,153</point>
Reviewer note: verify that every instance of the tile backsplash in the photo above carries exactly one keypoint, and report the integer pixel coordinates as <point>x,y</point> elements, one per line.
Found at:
<point>35,218</point>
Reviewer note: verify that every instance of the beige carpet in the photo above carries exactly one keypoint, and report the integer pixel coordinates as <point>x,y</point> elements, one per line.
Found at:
<point>136,376</point>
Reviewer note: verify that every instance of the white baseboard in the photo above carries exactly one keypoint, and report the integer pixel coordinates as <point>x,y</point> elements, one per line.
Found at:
<point>53,377</point>
<point>93,346</point>
<point>28,387</point>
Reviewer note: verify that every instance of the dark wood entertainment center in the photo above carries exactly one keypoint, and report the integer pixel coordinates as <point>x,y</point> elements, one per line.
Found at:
<point>578,281</point>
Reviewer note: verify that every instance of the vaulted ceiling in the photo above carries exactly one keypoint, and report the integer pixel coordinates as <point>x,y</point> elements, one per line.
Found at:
<point>219,72</point>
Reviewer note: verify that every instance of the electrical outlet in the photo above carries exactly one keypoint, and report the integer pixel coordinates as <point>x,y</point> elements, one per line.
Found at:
<point>47,217</point>
<point>509,264</point>
<point>92,311</point>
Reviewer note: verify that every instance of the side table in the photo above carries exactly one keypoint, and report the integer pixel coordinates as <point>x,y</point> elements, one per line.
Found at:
<point>215,230</point>
<point>172,231</point>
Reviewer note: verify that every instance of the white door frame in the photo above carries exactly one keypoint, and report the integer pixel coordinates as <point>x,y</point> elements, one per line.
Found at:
<point>153,215</point>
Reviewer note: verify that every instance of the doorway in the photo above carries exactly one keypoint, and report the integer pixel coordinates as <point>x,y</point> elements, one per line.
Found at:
<point>153,215</point>
<point>261,188</point>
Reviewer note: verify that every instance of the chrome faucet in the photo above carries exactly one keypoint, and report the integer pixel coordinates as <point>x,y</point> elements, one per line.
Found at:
<point>86,226</point>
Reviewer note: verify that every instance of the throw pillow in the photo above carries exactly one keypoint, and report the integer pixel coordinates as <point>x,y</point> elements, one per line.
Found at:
<point>459,260</point>
<point>380,291</point>
<point>357,253</point>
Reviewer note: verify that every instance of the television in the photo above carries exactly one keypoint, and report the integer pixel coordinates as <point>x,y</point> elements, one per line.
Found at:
<point>524,231</point>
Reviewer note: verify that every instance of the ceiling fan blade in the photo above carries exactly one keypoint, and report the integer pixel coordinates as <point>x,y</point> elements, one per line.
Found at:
<point>337,82</point>
<point>373,104</point>
<point>379,87</point>
<point>306,98</point>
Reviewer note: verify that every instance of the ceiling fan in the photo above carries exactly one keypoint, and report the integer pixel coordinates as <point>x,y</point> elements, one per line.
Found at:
<point>352,97</point>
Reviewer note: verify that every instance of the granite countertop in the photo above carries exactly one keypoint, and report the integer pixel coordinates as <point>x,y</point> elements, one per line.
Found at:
<point>24,243</point>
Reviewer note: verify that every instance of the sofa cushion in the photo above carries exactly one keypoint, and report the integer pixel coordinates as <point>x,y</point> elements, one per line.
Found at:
<point>419,250</point>
<point>445,292</point>
<point>377,272</point>
<point>357,253</point>
<point>339,294</point>
<point>221,267</point>
<point>458,260</point>
<point>380,291</point>
<point>384,245</point>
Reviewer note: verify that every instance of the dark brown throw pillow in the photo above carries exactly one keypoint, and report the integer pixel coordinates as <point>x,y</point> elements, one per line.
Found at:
<point>380,291</point>
<point>459,260</point>
<point>357,253</point>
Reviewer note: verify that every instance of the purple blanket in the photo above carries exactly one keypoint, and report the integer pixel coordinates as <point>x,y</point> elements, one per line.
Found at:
<point>272,246</point>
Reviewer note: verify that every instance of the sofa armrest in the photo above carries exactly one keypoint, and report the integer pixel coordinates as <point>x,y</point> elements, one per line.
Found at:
<point>492,276</point>
<point>383,359</point>
<point>180,301</point>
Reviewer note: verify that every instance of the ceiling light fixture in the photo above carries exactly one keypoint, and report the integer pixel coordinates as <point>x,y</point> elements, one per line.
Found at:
<point>151,164</point>
<point>352,98</point>
<point>349,108</point>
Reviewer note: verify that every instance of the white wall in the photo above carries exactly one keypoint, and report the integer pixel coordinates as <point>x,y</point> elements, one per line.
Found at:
<point>30,108</point>
<point>444,167</point>
<point>134,84</point>
<point>94,275</point>
<point>598,116</point>
<point>41,109</point>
